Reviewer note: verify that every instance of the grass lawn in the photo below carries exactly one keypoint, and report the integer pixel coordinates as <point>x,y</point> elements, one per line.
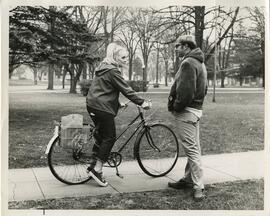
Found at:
<point>239,195</point>
<point>235,123</point>
<point>27,82</point>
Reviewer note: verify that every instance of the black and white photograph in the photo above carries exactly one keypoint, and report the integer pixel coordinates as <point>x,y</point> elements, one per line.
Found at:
<point>153,106</point>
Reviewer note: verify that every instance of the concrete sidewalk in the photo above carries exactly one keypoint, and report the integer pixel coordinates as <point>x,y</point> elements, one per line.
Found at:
<point>39,183</point>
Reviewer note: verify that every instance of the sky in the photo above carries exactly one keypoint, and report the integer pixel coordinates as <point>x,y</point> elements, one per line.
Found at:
<point>138,2</point>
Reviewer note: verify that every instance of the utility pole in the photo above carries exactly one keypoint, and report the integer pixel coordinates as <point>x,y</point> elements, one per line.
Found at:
<point>215,73</point>
<point>215,64</point>
<point>157,63</point>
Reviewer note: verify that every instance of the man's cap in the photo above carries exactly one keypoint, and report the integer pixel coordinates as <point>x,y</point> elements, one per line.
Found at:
<point>186,39</point>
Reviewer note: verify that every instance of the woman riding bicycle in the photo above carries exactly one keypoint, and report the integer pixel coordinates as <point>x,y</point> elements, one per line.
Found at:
<point>103,104</point>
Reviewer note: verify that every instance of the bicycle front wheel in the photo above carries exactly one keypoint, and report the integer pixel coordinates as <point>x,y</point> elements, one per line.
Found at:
<point>156,150</point>
<point>69,165</point>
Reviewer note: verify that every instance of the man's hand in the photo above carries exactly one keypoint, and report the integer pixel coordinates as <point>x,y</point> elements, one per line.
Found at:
<point>146,105</point>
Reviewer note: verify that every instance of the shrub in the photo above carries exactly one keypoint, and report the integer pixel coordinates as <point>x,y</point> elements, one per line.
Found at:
<point>85,85</point>
<point>156,85</point>
<point>138,85</point>
<point>135,85</point>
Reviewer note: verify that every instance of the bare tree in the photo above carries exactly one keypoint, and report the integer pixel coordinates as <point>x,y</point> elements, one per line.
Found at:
<point>166,55</point>
<point>257,16</point>
<point>147,25</point>
<point>111,20</point>
<point>224,57</point>
<point>128,36</point>
<point>222,35</point>
<point>193,19</point>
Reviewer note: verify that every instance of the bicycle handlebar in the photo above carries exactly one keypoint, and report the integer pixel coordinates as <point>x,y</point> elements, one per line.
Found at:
<point>149,103</point>
<point>124,106</point>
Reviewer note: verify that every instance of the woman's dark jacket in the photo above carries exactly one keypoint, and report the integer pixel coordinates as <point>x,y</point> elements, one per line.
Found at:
<point>190,85</point>
<point>104,91</point>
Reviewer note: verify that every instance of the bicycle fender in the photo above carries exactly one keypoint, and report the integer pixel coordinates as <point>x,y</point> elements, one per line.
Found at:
<point>49,145</point>
<point>139,135</point>
<point>137,140</point>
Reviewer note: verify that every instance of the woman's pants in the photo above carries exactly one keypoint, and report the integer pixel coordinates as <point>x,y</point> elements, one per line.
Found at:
<point>188,130</point>
<point>105,134</point>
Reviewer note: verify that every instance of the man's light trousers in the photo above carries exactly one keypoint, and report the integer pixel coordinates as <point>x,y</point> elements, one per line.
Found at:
<point>188,131</point>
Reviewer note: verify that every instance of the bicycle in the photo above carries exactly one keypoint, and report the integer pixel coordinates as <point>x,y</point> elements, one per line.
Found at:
<point>156,150</point>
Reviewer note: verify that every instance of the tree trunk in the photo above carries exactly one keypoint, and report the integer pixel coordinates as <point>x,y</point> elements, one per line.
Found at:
<point>113,25</point>
<point>222,77</point>
<point>166,72</point>
<point>157,63</point>
<point>72,89</point>
<point>10,69</point>
<point>221,66</point>
<point>263,62</point>
<point>40,76</point>
<point>130,68</point>
<point>263,74</point>
<point>215,72</point>
<point>35,71</point>
<point>106,33</point>
<point>64,76</point>
<point>199,24</point>
<point>241,81</point>
<point>84,71</point>
<point>51,70</point>
<point>75,77</point>
<point>145,58</point>
<point>50,77</point>
<point>177,64</point>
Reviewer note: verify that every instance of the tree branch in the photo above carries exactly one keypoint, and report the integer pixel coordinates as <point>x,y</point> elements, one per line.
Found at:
<point>223,35</point>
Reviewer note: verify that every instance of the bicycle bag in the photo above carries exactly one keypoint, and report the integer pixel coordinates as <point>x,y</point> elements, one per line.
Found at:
<point>73,132</point>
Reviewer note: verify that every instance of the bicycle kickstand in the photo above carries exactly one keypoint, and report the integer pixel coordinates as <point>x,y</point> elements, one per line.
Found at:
<point>117,171</point>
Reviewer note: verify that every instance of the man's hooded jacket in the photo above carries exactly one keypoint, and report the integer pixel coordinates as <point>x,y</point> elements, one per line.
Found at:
<point>190,85</point>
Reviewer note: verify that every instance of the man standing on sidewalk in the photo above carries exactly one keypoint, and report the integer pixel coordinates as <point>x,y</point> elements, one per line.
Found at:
<point>185,102</point>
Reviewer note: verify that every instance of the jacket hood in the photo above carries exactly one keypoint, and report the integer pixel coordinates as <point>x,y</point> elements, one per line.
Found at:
<point>197,54</point>
<point>104,68</point>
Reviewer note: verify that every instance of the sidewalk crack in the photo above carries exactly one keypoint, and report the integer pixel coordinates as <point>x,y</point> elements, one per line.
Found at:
<point>13,189</point>
<point>38,183</point>
<point>115,189</point>
<point>223,172</point>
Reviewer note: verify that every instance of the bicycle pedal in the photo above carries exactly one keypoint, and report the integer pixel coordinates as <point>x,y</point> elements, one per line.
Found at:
<point>119,175</point>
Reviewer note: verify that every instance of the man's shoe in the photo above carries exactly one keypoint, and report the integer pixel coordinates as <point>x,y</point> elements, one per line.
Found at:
<point>98,177</point>
<point>199,194</point>
<point>181,184</point>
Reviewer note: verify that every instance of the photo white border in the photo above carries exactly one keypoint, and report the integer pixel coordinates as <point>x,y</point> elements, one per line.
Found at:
<point>5,4</point>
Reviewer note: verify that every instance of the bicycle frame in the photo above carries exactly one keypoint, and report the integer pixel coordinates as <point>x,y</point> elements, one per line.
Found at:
<point>139,126</point>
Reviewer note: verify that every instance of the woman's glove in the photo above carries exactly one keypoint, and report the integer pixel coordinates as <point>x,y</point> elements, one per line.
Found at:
<point>146,105</point>
<point>123,105</point>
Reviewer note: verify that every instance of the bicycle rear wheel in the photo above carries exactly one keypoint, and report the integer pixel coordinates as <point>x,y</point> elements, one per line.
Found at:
<point>156,150</point>
<point>69,165</point>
